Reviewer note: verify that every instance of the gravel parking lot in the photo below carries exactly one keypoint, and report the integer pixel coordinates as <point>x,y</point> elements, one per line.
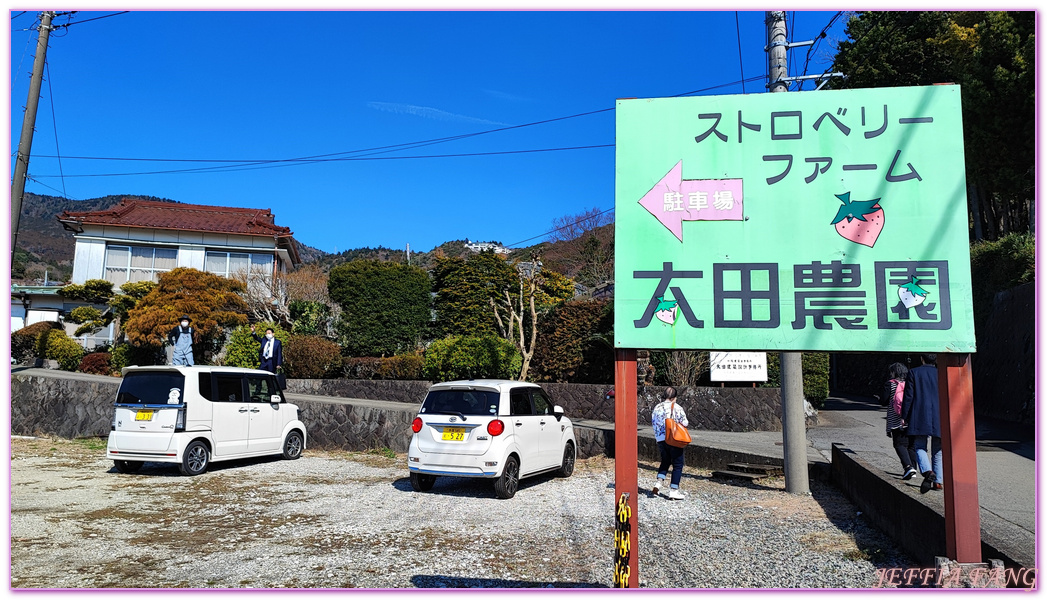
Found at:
<point>351,520</point>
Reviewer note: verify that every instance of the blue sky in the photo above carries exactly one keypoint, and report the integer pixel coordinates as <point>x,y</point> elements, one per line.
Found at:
<point>360,95</point>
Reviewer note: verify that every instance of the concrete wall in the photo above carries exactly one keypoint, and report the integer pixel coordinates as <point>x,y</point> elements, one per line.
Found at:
<point>916,527</point>
<point>78,405</point>
<point>709,408</point>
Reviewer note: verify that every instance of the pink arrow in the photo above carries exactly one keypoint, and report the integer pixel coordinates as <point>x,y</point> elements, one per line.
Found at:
<point>674,200</point>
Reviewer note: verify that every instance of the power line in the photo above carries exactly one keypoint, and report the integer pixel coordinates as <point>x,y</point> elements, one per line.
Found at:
<point>572,224</point>
<point>54,121</point>
<point>295,162</point>
<point>738,34</point>
<point>242,164</point>
<point>70,24</point>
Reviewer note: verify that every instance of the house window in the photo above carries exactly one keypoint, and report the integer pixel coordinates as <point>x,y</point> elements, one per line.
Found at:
<point>125,264</point>
<point>256,269</point>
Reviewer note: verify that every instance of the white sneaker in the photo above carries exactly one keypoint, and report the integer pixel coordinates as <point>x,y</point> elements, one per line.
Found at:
<point>675,494</point>
<point>657,486</point>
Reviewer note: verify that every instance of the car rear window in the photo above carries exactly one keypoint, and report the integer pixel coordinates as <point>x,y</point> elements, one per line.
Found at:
<point>465,402</point>
<point>159,387</point>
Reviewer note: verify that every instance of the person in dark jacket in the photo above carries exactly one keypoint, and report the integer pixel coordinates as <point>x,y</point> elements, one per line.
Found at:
<point>896,426</point>
<point>271,351</point>
<point>920,412</point>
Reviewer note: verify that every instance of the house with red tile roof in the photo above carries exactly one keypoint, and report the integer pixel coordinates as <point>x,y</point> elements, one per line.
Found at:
<point>136,240</point>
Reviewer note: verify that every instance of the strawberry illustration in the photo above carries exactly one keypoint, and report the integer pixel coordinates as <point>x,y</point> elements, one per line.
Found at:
<point>860,221</point>
<point>911,294</point>
<point>666,312</point>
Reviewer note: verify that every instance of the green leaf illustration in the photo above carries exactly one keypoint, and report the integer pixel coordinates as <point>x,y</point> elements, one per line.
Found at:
<point>854,209</point>
<point>664,304</point>
<point>914,287</point>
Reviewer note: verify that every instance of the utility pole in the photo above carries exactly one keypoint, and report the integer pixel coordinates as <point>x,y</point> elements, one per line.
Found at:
<point>794,425</point>
<point>25,142</point>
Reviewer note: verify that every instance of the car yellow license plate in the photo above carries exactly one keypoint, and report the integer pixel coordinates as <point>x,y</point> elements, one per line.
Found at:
<point>144,415</point>
<point>454,434</point>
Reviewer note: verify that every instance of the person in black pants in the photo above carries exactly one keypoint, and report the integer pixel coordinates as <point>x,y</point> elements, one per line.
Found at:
<point>893,389</point>
<point>271,351</point>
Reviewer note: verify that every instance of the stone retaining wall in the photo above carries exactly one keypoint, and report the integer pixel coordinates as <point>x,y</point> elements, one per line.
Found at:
<point>710,408</point>
<point>80,405</point>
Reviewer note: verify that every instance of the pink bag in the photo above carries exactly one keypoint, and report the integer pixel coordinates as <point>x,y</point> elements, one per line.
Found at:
<point>899,393</point>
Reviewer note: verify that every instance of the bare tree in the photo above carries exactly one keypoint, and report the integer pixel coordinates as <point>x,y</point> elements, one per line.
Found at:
<point>685,367</point>
<point>264,294</point>
<point>509,312</point>
<point>569,227</point>
<point>307,282</point>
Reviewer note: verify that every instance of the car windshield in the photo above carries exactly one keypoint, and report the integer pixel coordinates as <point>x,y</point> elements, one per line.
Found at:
<point>463,402</point>
<point>157,387</point>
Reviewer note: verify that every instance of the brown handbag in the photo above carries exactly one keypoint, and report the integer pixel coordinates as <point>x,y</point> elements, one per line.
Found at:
<point>675,434</point>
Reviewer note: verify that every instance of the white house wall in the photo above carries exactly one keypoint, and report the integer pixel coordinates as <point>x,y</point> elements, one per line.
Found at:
<point>88,260</point>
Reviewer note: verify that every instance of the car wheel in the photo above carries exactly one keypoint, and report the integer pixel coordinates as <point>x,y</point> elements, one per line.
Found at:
<point>293,446</point>
<point>567,466</point>
<point>127,466</point>
<point>505,486</point>
<point>195,459</point>
<point>422,483</point>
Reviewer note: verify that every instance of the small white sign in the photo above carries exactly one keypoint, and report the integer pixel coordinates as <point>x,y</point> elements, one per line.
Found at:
<point>738,366</point>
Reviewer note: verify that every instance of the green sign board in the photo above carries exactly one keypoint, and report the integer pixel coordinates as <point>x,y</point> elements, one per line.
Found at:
<point>827,220</point>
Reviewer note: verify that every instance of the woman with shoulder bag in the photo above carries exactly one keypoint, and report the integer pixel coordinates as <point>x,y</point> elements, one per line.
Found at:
<point>671,455</point>
<point>897,428</point>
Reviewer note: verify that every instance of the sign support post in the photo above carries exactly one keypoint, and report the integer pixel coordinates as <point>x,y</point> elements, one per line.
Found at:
<point>625,455</point>
<point>963,541</point>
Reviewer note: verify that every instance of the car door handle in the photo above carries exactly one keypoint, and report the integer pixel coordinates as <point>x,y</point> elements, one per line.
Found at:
<point>519,424</point>
<point>254,410</point>
<point>542,423</point>
<point>243,410</point>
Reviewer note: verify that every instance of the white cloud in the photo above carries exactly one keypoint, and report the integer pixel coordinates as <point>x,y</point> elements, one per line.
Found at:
<point>427,112</point>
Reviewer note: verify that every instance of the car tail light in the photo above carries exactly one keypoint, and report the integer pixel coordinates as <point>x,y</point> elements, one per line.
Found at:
<point>496,427</point>
<point>180,420</point>
<point>416,425</point>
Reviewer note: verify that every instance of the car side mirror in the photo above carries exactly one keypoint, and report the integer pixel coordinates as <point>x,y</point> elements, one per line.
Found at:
<point>275,399</point>
<point>558,412</point>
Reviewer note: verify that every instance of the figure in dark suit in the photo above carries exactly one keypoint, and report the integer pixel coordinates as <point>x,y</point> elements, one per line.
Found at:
<point>271,351</point>
<point>920,412</point>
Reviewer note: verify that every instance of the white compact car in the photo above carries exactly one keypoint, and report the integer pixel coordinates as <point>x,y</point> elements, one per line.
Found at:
<point>193,416</point>
<point>492,428</point>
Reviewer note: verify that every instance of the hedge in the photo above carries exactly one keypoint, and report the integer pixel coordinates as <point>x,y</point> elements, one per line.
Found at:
<point>25,341</point>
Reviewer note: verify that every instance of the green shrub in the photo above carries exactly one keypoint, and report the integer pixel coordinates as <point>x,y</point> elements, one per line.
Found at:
<point>311,357</point>
<point>99,363</point>
<point>242,348</point>
<point>309,317</point>
<point>574,344</point>
<point>58,346</point>
<point>126,355</point>
<point>464,357</point>
<point>361,367</point>
<point>815,376</point>
<point>999,265</point>
<point>25,341</point>
<point>401,366</point>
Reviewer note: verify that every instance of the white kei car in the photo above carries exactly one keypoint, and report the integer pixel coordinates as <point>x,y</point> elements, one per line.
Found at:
<point>489,428</point>
<point>193,416</point>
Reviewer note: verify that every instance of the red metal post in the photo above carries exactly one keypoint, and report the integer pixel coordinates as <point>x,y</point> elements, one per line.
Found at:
<point>963,541</point>
<point>625,455</point>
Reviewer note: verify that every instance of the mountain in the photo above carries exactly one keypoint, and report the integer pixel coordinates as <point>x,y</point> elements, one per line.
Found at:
<point>44,245</point>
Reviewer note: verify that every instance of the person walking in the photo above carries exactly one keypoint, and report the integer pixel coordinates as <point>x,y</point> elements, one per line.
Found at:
<point>920,412</point>
<point>271,351</point>
<point>671,455</point>
<point>181,339</point>
<point>897,430</point>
